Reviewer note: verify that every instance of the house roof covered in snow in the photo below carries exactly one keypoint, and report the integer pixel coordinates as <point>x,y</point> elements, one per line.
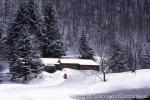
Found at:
<point>50,61</point>
<point>78,61</point>
<point>54,61</point>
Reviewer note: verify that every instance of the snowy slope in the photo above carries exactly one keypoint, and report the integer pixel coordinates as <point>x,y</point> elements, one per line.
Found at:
<point>47,79</point>
<point>54,87</point>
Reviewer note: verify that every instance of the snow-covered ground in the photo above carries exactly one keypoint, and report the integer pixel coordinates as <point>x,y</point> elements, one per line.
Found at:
<point>53,87</point>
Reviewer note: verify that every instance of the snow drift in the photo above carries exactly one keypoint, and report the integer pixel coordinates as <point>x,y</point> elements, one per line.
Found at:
<point>53,87</point>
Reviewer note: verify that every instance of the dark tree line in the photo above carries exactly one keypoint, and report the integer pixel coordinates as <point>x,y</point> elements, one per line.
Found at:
<point>76,14</point>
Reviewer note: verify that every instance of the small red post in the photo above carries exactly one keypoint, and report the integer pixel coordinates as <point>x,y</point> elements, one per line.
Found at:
<point>65,76</point>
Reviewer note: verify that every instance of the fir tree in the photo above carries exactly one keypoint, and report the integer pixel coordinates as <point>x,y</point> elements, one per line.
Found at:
<point>144,59</point>
<point>26,60</point>
<point>1,31</point>
<point>53,44</point>
<point>1,68</point>
<point>27,15</point>
<point>22,38</point>
<point>118,61</point>
<point>85,50</point>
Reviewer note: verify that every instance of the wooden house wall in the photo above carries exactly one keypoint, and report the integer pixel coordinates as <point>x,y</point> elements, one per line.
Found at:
<point>72,66</point>
<point>89,67</point>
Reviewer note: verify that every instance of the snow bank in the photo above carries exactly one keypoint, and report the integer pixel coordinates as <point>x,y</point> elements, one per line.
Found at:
<point>122,81</point>
<point>48,79</point>
<point>53,87</point>
<point>44,87</point>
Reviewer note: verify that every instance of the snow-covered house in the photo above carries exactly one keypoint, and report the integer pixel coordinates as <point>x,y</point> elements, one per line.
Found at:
<point>80,64</point>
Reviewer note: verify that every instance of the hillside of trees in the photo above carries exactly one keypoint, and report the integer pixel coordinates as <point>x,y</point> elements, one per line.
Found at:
<point>117,31</point>
<point>74,16</point>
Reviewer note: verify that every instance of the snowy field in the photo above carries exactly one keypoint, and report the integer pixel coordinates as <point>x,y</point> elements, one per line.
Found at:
<point>55,87</point>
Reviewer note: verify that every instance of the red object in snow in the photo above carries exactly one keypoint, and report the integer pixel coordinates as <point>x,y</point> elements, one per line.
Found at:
<point>65,76</point>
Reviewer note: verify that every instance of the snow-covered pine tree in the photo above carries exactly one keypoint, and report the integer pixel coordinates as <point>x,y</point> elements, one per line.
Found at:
<point>144,59</point>
<point>118,61</point>
<point>14,67</point>
<point>1,68</point>
<point>17,54</point>
<point>1,30</point>
<point>53,43</point>
<point>27,15</point>
<point>86,52</point>
<point>26,60</point>
<point>31,64</point>
<point>22,39</point>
